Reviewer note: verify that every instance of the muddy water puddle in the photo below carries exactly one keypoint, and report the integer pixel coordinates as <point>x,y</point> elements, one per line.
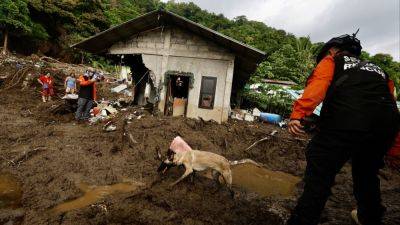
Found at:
<point>10,191</point>
<point>93,194</point>
<point>263,181</point>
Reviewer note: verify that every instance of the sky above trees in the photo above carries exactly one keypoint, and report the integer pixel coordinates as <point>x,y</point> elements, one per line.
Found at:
<point>379,21</point>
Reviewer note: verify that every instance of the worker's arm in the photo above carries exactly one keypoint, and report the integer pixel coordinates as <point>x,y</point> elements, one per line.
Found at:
<point>391,88</point>
<point>40,81</point>
<point>84,82</point>
<point>313,94</point>
<point>316,89</point>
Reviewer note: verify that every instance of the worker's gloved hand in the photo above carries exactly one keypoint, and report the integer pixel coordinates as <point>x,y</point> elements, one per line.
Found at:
<point>295,127</point>
<point>310,123</point>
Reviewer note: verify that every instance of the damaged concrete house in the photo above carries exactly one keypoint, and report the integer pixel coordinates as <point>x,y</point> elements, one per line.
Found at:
<point>183,67</point>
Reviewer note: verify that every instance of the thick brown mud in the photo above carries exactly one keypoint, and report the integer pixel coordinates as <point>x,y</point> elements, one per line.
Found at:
<point>51,156</point>
<point>10,191</point>
<point>263,181</point>
<point>93,194</point>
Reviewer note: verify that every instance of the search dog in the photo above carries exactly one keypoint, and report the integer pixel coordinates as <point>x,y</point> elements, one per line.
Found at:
<point>180,153</point>
<point>195,160</point>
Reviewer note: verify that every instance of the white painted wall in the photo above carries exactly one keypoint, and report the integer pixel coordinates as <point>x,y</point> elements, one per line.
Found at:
<point>202,67</point>
<point>173,49</point>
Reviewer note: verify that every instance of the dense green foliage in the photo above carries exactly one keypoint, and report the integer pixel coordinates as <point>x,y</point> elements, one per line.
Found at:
<point>291,62</point>
<point>270,98</point>
<point>15,19</point>
<point>14,16</point>
<point>68,21</point>
<point>385,61</point>
<point>60,23</point>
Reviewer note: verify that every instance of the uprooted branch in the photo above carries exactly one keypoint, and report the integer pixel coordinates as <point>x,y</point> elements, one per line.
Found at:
<point>272,134</point>
<point>132,141</point>
<point>48,59</point>
<point>255,143</point>
<point>25,156</point>
<point>126,133</point>
<point>16,78</point>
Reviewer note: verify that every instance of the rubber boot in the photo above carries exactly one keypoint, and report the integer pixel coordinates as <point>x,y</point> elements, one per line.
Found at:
<point>49,98</point>
<point>44,98</point>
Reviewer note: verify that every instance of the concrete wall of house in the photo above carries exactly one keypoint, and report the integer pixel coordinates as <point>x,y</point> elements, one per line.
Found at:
<point>173,49</point>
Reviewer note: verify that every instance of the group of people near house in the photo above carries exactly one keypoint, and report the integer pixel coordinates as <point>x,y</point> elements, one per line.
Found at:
<point>86,94</point>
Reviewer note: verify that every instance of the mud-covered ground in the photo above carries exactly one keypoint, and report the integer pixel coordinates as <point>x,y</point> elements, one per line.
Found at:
<point>51,154</point>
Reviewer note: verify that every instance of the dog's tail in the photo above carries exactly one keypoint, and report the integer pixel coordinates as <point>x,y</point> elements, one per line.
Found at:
<point>237,162</point>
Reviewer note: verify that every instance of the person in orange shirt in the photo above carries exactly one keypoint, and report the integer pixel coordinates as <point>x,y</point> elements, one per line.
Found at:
<point>87,96</point>
<point>359,120</point>
<point>47,87</point>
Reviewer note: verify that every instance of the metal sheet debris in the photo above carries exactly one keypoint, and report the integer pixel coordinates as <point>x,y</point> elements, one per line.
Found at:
<point>119,88</point>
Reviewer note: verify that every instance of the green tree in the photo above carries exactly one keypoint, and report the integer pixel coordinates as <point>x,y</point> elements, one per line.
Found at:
<point>14,19</point>
<point>67,22</point>
<point>287,63</point>
<point>392,68</point>
<point>365,55</point>
<point>118,12</point>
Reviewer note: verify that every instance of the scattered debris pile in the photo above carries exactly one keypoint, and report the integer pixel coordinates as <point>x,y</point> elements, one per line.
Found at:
<point>18,72</point>
<point>256,115</point>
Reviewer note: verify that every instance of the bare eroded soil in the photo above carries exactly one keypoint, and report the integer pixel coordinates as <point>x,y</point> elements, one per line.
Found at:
<point>52,155</point>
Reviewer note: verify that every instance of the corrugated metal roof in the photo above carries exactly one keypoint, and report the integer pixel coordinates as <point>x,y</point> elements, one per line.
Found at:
<point>247,57</point>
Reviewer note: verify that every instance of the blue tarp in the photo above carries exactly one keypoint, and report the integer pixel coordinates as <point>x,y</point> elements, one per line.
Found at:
<point>296,94</point>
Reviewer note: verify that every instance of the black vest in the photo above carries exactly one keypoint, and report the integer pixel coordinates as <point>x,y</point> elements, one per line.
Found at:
<point>358,98</point>
<point>86,92</point>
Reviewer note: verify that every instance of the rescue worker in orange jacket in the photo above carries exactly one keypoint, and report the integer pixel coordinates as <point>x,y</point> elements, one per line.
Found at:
<point>87,96</point>
<point>359,120</point>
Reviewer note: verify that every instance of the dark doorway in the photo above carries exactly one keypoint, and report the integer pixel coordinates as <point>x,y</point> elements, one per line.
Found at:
<point>140,77</point>
<point>177,95</point>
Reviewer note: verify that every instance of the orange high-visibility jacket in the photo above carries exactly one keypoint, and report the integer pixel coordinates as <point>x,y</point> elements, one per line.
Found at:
<point>317,86</point>
<point>314,94</point>
<point>83,82</point>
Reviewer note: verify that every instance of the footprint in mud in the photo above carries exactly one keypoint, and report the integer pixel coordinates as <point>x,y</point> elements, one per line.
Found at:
<point>10,191</point>
<point>93,194</point>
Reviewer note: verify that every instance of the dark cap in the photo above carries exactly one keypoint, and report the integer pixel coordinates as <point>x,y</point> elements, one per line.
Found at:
<point>344,42</point>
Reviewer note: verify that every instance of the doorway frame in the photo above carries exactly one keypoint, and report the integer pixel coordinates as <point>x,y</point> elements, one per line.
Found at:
<point>167,83</point>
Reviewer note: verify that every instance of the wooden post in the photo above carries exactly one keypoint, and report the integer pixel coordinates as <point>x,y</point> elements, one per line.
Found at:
<point>5,33</point>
